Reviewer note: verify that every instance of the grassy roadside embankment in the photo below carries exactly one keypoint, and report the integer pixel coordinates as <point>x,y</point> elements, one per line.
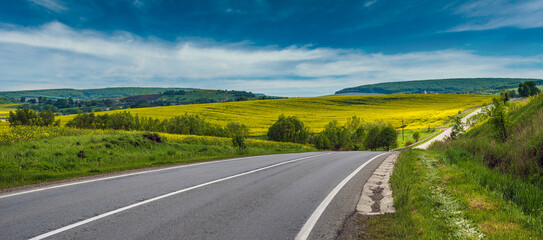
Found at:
<point>477,186</point>
<point>440,196</point>
<point>40,155</point>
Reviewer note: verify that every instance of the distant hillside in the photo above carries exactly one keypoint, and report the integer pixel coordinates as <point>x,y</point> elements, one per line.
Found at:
<point>455,85</point>
<point>86,94</point>
<point>166,97</point>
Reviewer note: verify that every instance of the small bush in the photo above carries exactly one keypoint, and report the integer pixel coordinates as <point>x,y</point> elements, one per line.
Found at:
<point>416,136</point>
<point>238,141</point>
<point>388,137</point>
<point>288,129</point>
<point>457,128</point>
<point>499,119</point>
<point>238,129</point>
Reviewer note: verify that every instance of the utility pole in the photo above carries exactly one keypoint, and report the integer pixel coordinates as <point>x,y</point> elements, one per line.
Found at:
<point>403,130</point>
<point>403,126</point>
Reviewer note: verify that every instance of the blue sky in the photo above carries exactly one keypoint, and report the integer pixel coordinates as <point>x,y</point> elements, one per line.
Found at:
<point>287,48</point>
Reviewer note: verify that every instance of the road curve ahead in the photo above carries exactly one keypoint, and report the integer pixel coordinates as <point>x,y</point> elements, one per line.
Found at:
<point>286,196</point>
<point>447,132</point>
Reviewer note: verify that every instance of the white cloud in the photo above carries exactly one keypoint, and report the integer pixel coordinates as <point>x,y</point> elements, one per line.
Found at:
<point>492,14</point>
<point>55,55</point>
<point>53,5</point>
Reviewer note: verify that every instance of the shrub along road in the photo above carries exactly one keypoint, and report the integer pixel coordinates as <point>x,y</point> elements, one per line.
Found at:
<point>265,197</point>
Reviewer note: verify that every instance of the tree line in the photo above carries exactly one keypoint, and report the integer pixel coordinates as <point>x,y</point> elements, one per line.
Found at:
<point>6,100</point>
<point>184,124</point>
<point>354,135</point>
<point>67,106</point>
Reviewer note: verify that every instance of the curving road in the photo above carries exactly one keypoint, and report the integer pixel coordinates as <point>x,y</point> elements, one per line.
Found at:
<point>447,132</point>
<point>286,196</point>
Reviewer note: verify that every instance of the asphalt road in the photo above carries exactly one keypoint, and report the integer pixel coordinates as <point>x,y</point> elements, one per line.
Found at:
<point>264,197</point>
<point>447,132</point>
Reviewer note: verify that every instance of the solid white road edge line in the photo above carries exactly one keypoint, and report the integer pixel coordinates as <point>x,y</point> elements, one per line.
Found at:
<point>125,175</point>
<point>308,226</point>
<point>51,233</point>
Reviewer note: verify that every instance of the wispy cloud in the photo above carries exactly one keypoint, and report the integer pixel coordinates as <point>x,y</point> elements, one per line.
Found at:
<point>492,14</point>
<point>138,3</point>
<point>53,5</point>
<point>369,3</point>
<point>55,55</point>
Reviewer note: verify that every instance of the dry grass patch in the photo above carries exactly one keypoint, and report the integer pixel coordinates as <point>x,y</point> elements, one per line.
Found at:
<point>494,227</point>
<point>481,204</point>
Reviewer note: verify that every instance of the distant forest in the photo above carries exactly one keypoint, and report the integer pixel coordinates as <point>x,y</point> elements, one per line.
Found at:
<point>169,97</point>
<point>6,100</point>
<point>455,85</point>
<point>87,94</point>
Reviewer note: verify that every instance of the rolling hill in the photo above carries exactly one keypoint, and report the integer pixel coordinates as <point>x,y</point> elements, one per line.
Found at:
<point>86,94</point>
<point>453,85</point>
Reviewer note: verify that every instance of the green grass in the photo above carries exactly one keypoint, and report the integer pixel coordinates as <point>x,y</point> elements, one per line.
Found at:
<point>57,158</point>
<point>442,197</point>
<point>526,197</point>
<point>521,154</point>
<point>408,135</point>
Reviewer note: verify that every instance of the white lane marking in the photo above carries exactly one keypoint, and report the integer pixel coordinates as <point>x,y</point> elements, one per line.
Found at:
<point>308,226</point>
<point>51,233</point>
<point>124,175</point>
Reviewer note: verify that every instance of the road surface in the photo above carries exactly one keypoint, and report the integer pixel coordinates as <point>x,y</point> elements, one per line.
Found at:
<point>284,196</point>
<point>447,132</point>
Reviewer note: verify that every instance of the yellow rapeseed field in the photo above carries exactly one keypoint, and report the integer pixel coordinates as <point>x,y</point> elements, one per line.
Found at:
<point>6,108</point>
<point>417,111</point>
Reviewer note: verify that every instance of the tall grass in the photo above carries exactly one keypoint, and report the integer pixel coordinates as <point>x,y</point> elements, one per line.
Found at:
<point>451,196</point>
<point>527,196</point>
<point>512,168</point>
<point>521,154</point>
